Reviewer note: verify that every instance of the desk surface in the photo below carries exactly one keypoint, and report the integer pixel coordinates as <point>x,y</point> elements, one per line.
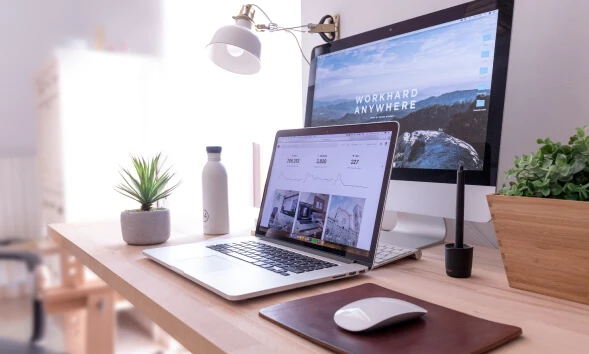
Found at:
<point>205,322</point>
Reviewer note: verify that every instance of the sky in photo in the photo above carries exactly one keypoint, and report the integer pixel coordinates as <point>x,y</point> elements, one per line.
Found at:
<point>434,61</point>
<point>345,203</point>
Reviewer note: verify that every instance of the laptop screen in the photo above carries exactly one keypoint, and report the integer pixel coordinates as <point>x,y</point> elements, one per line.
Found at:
<point>325,190</point>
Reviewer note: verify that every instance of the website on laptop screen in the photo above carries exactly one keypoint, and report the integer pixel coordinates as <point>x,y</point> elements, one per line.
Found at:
<point>325,189</point>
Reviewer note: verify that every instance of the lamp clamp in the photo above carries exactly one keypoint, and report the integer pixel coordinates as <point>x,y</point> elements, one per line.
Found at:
<point>331,27</point>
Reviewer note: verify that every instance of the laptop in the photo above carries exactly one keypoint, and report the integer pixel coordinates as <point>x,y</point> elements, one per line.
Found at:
<point>319,219</point>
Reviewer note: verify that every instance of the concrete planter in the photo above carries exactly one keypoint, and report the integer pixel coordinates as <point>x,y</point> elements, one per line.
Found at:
<point>145,227</point>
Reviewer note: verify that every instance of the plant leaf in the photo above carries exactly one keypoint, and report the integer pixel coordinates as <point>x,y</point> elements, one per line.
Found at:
<point>556,189</point>
<point>561,160</point>
<point>547,163</point>
<point>546,149</point>
<point>564,170</point>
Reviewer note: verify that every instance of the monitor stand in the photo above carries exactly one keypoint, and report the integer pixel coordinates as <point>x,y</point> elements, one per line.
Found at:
<point>412,230</point>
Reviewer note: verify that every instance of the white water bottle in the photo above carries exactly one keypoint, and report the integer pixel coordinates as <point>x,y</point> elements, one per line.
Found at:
<point>215,197</point>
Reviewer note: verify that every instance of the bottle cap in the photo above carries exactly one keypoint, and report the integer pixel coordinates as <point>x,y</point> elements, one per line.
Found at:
<point>214,149</point>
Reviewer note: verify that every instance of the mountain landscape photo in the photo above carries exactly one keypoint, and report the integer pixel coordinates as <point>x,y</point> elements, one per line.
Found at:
<point>445,130</point>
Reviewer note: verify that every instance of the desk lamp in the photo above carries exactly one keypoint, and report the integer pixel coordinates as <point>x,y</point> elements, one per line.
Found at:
<point>237,48</point>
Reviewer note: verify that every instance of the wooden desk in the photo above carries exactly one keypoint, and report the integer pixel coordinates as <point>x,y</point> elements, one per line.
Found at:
<point>205,323</point>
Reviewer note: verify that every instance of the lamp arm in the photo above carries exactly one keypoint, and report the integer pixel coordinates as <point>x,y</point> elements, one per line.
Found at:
<point>299,44</point>
<point>323,28</point>
<point>264,12</point>
<point>273,27</point>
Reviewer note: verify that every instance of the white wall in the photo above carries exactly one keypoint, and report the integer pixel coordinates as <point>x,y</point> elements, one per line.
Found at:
<point>135,25</point>
<point>548,72</point>
<point>29,29</point>
<point>202,105</point>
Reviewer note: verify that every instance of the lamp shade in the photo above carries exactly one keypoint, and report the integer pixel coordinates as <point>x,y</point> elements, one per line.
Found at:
<point>236,48</point>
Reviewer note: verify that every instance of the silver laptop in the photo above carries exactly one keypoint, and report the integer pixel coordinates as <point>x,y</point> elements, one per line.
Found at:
<point>319,220</point>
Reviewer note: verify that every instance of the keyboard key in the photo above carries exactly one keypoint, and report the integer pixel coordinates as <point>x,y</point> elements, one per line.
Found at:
<point>242,257</point>
<point>294,270</point>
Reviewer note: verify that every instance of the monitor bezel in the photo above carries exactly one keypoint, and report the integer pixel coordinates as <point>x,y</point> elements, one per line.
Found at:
<point>488,176</point>
<point>339,129</point>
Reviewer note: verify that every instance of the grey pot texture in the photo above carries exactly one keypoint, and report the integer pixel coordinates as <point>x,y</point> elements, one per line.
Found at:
<point>145,227</point>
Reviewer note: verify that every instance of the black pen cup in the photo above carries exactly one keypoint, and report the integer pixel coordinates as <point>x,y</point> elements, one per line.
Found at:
<point>459,261</point>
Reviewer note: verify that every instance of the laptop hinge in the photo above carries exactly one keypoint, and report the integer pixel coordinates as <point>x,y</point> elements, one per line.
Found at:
<point>366,264</point>
<point>307,249</point>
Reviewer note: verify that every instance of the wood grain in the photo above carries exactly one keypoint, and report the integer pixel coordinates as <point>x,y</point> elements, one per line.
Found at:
<point>206,323</point>
<point>544,245</point>
<point>101,319</point>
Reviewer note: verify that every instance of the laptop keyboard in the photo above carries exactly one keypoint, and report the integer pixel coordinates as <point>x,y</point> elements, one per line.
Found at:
<point>271,258</point>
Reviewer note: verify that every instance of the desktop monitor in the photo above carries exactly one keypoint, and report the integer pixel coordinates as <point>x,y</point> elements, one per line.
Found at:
<point>442,76</point>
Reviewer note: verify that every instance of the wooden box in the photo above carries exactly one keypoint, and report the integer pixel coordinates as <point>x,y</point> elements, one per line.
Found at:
<point>544,244</point>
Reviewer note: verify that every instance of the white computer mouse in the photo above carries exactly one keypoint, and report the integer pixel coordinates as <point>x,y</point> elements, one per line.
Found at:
<point>375,312</point>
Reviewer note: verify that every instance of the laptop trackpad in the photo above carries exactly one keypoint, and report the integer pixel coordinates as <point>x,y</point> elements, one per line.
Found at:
<point>204,264</point>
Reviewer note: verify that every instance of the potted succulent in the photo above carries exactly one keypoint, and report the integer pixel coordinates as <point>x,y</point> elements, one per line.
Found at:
<point>541,219</point>
<point>147,225</point>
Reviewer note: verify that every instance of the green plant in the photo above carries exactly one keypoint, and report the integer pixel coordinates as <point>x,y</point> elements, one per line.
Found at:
<point>150,184</point>
<point>554,171</point>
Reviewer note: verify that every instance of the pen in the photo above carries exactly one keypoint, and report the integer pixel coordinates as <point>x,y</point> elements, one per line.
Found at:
<point>459,207</point>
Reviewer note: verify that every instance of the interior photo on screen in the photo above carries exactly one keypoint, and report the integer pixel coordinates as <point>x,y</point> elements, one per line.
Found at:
<point>311,214</point>
<point>284,209</point>
<point>435,82</point>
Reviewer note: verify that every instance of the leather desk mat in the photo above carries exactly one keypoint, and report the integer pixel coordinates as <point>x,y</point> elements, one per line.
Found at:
<point>441,330</point>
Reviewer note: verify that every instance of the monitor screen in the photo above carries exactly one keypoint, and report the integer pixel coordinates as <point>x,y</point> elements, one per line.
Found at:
<point>437,81</point>
<point>325,189</point>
